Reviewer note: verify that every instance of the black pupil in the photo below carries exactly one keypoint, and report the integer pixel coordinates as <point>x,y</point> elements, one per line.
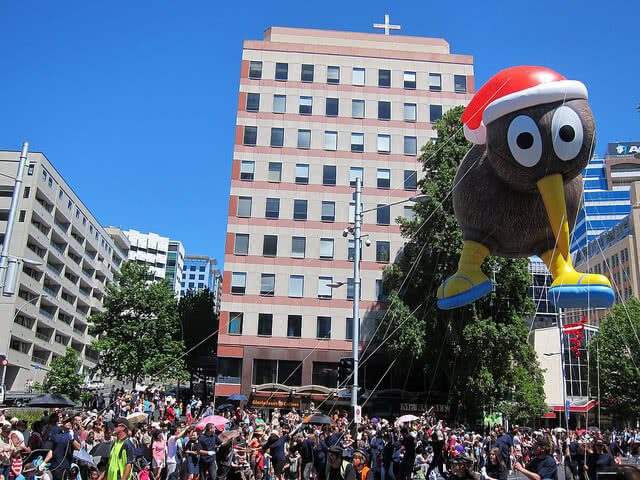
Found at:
<point>567,133</point>
<point>524,140</point>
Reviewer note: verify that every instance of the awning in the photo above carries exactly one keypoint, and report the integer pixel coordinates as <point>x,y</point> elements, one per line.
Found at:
<point>577,406</point>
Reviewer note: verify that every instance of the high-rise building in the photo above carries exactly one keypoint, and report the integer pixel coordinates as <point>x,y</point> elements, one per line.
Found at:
<point>317,109</point>
<point>199,273</point>
<point>71,259</point>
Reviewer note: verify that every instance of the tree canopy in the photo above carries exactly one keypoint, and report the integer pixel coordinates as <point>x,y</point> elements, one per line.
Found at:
<point>200,327</point>
<point>63,376</point>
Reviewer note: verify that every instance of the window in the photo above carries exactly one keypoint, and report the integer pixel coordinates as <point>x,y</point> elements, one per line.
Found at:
<point>384,78</point>
<point>325,374</point>
<point>410,80</point>
<point>277,137</point>
<point>330,140</point>
<point>410,180</point>
<point>244,207</point>
<point>323,329</point>
<point>265,371</point>
<point>357,108</point>
<point>460,83</point>
<point>384,143</point>
<point>241,245</point>
<point>329,175</point>
<point>253,102</point>
<point>384,110</point>
<point>272,209</point>
<point>383,178</point>
<point>435,113</point>
<point>382,293</point>
<point>275,172</point>
<point>296,286</point>
<point>250,135</point>
<point>279,103</point>
<point>255,70</point>
<point>23,214</point>
<point>332,107</point>
<point>247,169</point>
<point>357,142</point>
<point>383,214</point>
<point>265,324</point>
<point>270,246</point>
<point>282,71</point>
<point>299,209</point>
<point>354,173</point>
<point>238,282</point>
<point>267,284</point>
<point>410,112</point>
<point>27,191</point>
<point>409,213</point>
<point>410,146</point>
<point>302,173</point>
<point>357,76</point>
<point>326,248</point>
<point>351,288</point>
<point>306,105</point>
<point>294,326</point>
<point>435,82</point>
<point>30,169</point>
<point>333,74</point>
<point>328,211</point>
<point>304,139</point>
<point>324,290</point>
<point>348,329</point>
<point>306,75</point>
<point>286,372</point>
<point>383,251</point>
<point>298,246</point>
<point>235,323</point>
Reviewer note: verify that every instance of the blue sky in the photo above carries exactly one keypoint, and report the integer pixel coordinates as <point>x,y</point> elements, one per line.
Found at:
<point>134,101</point>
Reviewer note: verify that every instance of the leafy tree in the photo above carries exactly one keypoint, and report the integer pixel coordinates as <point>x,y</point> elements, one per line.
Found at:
<point>477,355</point>
<point>63,376</point>
<point>136,335</point>
<point>615,352</point>
<point>199,326</point>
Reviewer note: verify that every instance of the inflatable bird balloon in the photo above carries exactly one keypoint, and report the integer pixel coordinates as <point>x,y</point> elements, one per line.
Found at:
<point>518,190</point>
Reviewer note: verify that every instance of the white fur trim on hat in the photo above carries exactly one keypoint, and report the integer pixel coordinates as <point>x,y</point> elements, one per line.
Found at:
<point>477,136</point>
<point>538,95</point>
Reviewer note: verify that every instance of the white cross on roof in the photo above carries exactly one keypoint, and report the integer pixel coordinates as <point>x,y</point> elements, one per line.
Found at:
<point>386,25</point>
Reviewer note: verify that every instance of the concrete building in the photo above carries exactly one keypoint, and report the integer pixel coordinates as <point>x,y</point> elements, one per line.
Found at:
<point>316,110</point>
<point>200,273</point>
<point>78,260</point>
<point>163,256</point>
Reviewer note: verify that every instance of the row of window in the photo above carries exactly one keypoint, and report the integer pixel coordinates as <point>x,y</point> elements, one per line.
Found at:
<point>192,285</point>
<point>192,276</point>
<point>332,108</point>
<point>193,268</point>
<point>358,76</point>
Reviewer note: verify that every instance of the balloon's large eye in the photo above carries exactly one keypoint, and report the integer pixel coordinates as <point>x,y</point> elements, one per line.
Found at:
<point>524,141</point>
<point>566,133</point>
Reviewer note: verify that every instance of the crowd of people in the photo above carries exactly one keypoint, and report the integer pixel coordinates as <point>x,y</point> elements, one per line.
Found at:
<point>151,436</point>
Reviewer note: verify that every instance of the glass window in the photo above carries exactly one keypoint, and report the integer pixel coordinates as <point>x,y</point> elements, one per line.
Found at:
<point>255,70</point>
<point>298,246</point>
<point>277,137</point>
<point>302,173</point>
<point>289,372</point>
<point>247,169</point>
<point>354,173</point>
<point>410,180</point>
<point>326,248</point>
<point>383,177</point>
<point>328,211</point>
<point>383,214</point>
<point>250,135</point>
<point>244,207</point>
<point>241,245</point>
<point>253,102</point>
<point>296,286</point>
<point>348,329</point>
<point>357,76</point>
<point>409,213</point>
<point>384,143</point>
<point>435,82</point>
<point>460,83</point>
<point>329,175</point>
<point>323,329</point>
<point>306,105</point>
<point>229,370</point>
<point>435,113</point>
<point>306,75</point>
<point>351,289</point>
<point>410,80</point>
<point>299,209</point>
<point>357,142</point>
<point>384,78</point>
<point>410,112</point>
<point>267,284</point>
<point>275,172</point>
<point>357,108</point>
<point>304,139</point>
<point>384,110</point>
<point>294,326</point>
<point>279,103</point>
<point>272,209</point>
<point>265,324</point>
<point>330,140</point>
<point>410,146</point>
<point>325,374</point>
<point>382,293</point>
<point>333,74</point>
<point>282,71</point>
<point>324,290</point>
<point>383,251</point>
<point>270,246</point>
<point>265,371</point>
<point>332,107</point>
<point>235,323</point>
<point>238,282</point>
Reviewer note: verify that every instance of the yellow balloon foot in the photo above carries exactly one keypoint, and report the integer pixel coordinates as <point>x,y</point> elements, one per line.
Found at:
<point>581,290</point>
<point>462,289</point>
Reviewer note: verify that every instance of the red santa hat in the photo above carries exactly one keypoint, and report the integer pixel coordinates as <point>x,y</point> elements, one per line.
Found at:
<point>513,89</point>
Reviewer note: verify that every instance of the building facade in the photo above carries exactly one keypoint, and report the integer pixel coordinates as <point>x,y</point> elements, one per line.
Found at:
<point>318,109</point>
<point>199,273</point>
<point>71,260</point>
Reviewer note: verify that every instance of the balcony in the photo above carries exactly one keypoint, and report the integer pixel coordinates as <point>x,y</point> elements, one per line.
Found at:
<point>39,358</point>
<point>43,336</point>
<point>59,247</point>
<point>57,270</point>
<point>40,252</point>
<point>62,226</point>
<point>47,207</point>
<point>46,313</point>
<point>52,293</point>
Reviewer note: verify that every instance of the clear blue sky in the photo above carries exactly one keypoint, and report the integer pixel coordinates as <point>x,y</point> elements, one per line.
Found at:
<point>135,101</point>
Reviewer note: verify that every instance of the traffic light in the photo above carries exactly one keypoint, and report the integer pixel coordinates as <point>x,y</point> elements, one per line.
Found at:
<point>345,370</point>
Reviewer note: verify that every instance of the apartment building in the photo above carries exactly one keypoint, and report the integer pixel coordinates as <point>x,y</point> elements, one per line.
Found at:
<point>71,259</point>
<point>318,109</point>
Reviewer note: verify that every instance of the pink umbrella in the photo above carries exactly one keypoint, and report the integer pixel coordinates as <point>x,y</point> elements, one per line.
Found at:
<point>217,420</point>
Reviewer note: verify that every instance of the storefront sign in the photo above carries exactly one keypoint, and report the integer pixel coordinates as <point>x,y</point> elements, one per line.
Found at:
<point>274,403</point>
<point>623,148</point>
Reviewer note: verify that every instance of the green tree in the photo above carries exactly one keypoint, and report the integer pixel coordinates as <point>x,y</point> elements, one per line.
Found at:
<point>63,376</point>
<point>614,361</point>
<point>137,334</point>
<point>477,355</point>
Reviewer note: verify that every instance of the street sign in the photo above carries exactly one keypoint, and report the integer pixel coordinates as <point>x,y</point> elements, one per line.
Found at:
<point>567,404</point>
<point>357,417</point>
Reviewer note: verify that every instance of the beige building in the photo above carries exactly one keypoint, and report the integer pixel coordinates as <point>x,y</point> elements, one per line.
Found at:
<point>77,258</point>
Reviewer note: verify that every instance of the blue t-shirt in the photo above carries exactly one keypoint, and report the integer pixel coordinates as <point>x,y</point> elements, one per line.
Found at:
<point>504,443</point>
<point>208,443</point>
<point>63,449</point>
<point>546,467</point>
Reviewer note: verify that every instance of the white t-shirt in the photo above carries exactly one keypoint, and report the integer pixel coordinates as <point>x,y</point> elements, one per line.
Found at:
<point>172,450</point>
